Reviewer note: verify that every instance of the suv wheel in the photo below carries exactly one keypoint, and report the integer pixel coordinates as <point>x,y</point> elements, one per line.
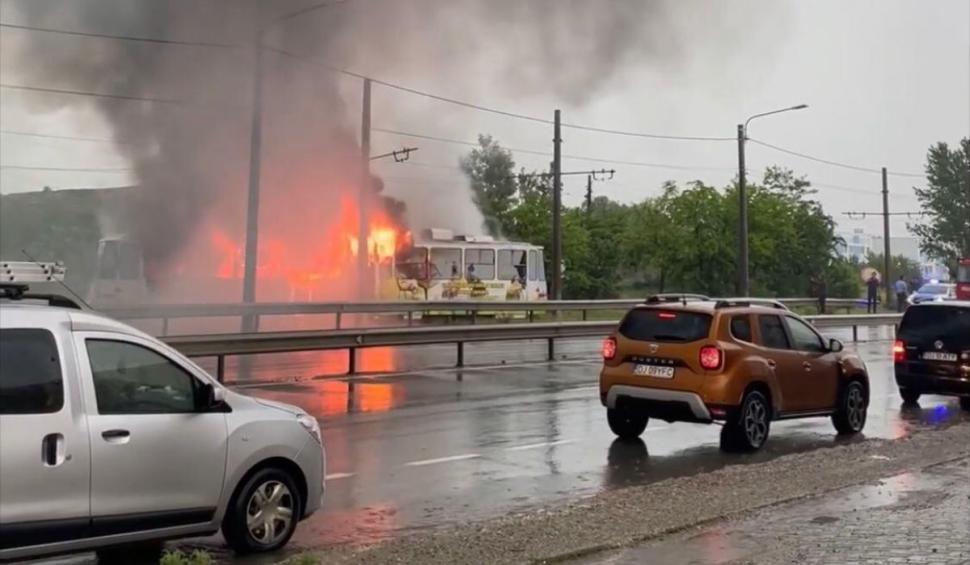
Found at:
<point>965,403</point>
<point>910,396</point>
<point>626,424</point>
<point>850,412</point>
<point>263,514</point>
<point>746,428</point>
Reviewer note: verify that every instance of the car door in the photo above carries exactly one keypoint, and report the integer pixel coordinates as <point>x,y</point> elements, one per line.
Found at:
<point>818,385</point>
<point>786,363</point>
<point>44,456</point>
<point>157,459</point>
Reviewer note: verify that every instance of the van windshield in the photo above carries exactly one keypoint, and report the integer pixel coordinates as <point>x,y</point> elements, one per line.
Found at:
<point>648,324</point>
<point>925,324</point>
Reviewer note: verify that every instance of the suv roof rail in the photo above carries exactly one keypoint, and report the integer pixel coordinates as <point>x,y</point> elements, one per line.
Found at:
<point>30,271</point>
<point>748,302</point>
<point>19,291</point>
<point>672,297</point>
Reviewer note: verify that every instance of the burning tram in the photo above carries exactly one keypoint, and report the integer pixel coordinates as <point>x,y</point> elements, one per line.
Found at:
<point>440,265</point>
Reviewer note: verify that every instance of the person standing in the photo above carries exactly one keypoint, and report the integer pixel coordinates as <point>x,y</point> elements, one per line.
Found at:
<point>872,292</point>
<point>902,291</point>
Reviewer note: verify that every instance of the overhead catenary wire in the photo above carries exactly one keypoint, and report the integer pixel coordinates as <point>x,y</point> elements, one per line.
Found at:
<point>56,136</point>
<point>833,163</point>
<point>67,169</point>
<point>138,39</point>
<point>89,94</point>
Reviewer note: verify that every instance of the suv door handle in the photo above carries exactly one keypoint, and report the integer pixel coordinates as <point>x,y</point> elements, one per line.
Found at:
<point>116,435</point>
<point>807,365</point>
<point>771,363</point>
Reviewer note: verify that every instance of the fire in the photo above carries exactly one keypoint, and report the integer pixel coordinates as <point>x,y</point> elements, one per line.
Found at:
<point>322,254</point>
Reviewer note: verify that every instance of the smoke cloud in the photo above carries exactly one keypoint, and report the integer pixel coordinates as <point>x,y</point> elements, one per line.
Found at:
<point>190,147</point>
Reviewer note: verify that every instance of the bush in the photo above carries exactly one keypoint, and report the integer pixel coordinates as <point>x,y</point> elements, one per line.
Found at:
<point>177,557</point>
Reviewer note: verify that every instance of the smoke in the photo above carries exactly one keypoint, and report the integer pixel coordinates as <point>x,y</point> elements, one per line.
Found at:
<point>190,148</point>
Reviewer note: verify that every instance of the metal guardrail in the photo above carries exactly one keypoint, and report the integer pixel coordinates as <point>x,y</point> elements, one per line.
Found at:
<point>222,345</point>
<point>470,308</point>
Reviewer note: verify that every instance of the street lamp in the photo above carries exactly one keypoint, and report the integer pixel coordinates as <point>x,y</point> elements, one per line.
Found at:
<point>744,282</point>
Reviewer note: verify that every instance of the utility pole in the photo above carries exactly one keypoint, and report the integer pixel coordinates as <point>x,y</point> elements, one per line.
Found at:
<point>252,209</point>
<point>363,250</point>
<point>887,257</point>
<point>744,282</point>
<point>589,195</point>
<point>556,287</point>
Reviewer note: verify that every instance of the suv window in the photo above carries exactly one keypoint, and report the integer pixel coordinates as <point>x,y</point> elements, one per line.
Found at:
<point>131,379</point>
<point>773,332</point>
<point>804,336</point>
<point>741,328</point>
<point>662,325</point>
<point>923,325</point>
<point>30,372</point>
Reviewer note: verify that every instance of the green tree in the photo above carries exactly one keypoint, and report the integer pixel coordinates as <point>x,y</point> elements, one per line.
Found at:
<point>945,230</point>
<point>901,266</point>
<point>491,168</point>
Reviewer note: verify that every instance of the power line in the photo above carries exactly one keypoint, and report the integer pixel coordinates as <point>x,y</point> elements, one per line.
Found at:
<point>90,94</point>
<point>863,215</point>
<point>118,37</point>
<point>565,156</point>
<point>52,136</point>
<point>833,163</point>
<point>65,169</point>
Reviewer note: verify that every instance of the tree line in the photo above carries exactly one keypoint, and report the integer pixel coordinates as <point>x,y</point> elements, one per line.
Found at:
<point>685,239</point>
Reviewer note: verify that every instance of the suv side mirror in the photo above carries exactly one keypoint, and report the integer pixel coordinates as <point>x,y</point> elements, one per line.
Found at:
<point>210,397</point>
<point>835,346</point>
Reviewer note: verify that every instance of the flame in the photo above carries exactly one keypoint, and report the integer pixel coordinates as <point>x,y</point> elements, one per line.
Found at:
<point>323,255</point>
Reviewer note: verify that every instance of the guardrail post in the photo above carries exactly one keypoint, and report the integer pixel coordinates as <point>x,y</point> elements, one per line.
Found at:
<point>552,349</point>
<point>164,326</point>
<point>855,334</point>
<point>474,317</point>
<point>532,315</point>
<point>221,368</point>
<point>584,315</point>
<point>410,318</point>
<point>351,361</point>
<point>338,320</point>
<point>461,354</point>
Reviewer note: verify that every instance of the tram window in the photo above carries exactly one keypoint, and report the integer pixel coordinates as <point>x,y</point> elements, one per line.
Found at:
<point>480,264</point>
<point>541,266</point>
<point>413,264</point>
<point>445,263</point>
<point>533,268</point>
<point>511,264</point>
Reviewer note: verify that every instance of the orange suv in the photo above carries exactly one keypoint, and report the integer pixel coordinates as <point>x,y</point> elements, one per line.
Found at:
<point>743,362</point>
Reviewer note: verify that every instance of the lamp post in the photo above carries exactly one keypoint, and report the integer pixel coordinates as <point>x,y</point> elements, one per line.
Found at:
<point>744,282</point>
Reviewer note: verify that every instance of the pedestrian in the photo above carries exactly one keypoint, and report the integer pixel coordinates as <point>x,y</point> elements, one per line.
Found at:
<point>902,291</point>
<point>823,292</point>
<point>872,293</point>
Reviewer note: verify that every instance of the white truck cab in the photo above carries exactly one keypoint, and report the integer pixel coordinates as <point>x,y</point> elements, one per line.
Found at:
<point>109,437</point>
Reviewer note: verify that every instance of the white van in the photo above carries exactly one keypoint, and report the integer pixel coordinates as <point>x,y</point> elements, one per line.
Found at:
<point>108,438</point>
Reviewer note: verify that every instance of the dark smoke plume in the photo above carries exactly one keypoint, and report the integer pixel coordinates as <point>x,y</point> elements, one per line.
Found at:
<point>190,150</point>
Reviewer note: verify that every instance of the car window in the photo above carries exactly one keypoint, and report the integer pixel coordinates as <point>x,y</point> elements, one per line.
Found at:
<point>30,372</point>
<point>923,325</point>
<point>648,324</point>
<point>131,379</point>
<point>804,337</point>
<point>773,332</point>
<point>741,328</point>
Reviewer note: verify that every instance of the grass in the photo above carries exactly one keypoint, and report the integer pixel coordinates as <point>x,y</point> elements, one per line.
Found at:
<point>178,557</point>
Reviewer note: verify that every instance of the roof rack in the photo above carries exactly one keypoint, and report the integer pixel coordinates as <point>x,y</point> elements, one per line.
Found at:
<point>18,291</point>
<point>29,271</point>
<point>747,302</point>
<point>662,298</point>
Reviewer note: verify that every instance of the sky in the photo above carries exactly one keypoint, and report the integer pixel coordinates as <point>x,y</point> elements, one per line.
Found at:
<point>883,79</point>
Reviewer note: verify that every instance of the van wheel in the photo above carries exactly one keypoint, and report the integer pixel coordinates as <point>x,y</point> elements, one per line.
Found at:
<point>626,424</point>
<point>910,396</point>
<point>746,428</point>
<point>965,403</point>
<point>262,515</point>
<point>850,413</point>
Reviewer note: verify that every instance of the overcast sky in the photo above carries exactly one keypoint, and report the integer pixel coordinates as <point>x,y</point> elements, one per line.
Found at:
<point>884,79</point>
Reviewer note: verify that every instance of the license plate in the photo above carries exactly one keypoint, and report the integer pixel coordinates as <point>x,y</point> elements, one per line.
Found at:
<point>654,371</point>
<point>939,356</point>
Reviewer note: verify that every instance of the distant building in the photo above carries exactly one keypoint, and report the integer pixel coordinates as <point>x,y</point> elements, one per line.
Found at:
<point>906,246</point>
<point>855,245</point>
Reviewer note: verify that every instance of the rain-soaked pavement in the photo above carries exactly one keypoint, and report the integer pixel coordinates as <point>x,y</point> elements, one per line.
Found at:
<point>420,448</point>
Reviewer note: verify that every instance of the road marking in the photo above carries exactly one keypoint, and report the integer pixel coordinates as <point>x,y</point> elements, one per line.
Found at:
<point>442,460</point>
<point>655,429</point>
<point>335,476</point>
<point>538,445</point>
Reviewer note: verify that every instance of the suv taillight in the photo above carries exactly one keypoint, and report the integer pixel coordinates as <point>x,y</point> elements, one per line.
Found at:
<point>899,351</point>
<point>609,348</point>
<point>710,357</point>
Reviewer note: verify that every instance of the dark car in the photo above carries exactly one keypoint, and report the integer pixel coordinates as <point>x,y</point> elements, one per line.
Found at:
<point>932,351</point>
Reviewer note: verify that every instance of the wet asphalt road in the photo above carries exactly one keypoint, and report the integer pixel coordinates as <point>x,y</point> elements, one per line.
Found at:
<point>425,448</point>
<point>415,448</point>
